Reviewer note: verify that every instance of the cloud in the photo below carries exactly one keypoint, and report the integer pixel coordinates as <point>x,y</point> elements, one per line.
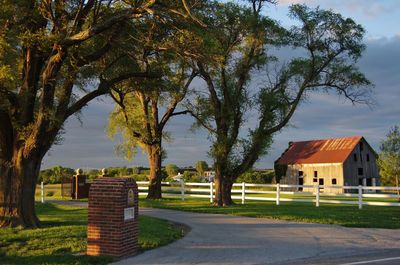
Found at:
<point>367,8</point>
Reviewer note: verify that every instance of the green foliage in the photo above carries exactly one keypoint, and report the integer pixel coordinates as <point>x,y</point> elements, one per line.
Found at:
<point>389,158</point>
<point>191,177</point>
<point>257,177</point>
<point>171,170</point>
<point>280,171</point>
<point>55,174</point>
<point>136,170</point>
<point>140,177</point>
<point>201,167</point>
<point>119,171</point>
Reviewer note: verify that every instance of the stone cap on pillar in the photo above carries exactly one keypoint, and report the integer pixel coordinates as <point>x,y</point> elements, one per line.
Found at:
<point>104,172</point>
<point>78,171</point>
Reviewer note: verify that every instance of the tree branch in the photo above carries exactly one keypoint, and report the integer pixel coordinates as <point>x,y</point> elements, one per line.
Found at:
<point>104,88</point>
<point>168,114</point>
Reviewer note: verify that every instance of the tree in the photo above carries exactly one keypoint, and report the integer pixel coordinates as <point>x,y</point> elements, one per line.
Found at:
<point>137,117</point>
<point>55,174</point>
<point>143,108</point>
<point>51,66</point>
<point>171,170</point>
<point>389,158</point>
<point>244,80</point>
<point>201,167</point>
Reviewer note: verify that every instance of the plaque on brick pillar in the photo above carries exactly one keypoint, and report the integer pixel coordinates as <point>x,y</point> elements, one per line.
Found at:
<point>113,217</point>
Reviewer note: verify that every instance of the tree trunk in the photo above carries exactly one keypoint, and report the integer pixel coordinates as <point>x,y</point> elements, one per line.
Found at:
<point>18,180</point>
<point>155,177</point>
<point>397,185</point>
<point>223,188</point>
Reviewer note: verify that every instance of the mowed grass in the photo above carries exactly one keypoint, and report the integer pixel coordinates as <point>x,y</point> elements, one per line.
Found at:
<point>345,215</point>
<point>64,235</point>
<point>51,192</point>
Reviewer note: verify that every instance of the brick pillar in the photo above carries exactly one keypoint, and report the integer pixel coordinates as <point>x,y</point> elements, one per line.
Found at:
<point>113,218</point>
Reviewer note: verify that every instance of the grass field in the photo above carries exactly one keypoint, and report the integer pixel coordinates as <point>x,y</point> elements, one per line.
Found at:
<point>64,234</point>
<point>345,215</point>
<point>51,192</point>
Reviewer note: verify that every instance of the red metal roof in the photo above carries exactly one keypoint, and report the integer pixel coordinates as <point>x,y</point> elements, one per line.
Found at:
<point>335,150</point>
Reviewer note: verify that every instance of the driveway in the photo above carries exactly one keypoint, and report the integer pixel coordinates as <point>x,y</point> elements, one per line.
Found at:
<point>223,239</point>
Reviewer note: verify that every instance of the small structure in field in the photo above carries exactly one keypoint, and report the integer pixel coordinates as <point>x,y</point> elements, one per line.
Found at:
<point>348,161</point>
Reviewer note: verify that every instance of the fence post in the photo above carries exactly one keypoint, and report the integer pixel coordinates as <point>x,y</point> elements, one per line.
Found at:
<point>278,193</point>
<point>211,192</point>
<point>183,189</point>
<point>317,196</point>
<point>360,202</point>
<point>243,192</point>
<point>42,191</point>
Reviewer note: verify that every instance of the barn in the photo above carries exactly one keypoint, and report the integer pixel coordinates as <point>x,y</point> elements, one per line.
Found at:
<point>347,161</point>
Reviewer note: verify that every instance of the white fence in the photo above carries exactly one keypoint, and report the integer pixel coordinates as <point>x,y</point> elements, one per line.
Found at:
<point>273,192</point>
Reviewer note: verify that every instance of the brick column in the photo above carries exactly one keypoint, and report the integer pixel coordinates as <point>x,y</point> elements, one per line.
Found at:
<point>113,218</point>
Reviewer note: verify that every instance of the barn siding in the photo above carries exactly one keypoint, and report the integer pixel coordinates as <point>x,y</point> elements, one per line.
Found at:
<point>370,168</point>
<point>325,171</point>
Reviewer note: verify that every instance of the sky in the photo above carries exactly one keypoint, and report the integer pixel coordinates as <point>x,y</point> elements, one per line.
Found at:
<point>321,116</point>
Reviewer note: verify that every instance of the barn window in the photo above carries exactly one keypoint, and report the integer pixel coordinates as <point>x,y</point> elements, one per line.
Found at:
<point>361,146</point>
<point>315,180</point>
<point>301,173</point>
<point>321,182</point>
<point>367,157</point>
<point>334,182</point>
<point>355,157</point>
<point>315,174</point>
<point>360,171</point>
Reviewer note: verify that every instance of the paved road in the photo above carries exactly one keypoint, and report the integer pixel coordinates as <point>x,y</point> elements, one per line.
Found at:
<point>222,239</point>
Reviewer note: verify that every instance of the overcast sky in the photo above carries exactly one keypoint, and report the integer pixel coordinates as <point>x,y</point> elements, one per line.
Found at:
<point>322,116</point>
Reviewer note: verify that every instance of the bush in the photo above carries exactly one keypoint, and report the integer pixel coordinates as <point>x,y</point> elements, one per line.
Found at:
<point>257,177</point>
<point>135,170</point>
<point>139,177</point>
<point>171,169</point>
<point>55,174</point>
<point>191,177</point>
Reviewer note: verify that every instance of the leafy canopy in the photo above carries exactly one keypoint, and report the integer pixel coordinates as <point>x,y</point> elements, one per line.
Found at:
<point>389,158</point>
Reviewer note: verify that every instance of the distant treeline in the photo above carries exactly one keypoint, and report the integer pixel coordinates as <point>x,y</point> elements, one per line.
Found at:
<point>189,174</point>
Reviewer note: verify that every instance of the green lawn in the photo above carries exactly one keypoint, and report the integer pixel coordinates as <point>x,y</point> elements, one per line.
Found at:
<point>345,215</point>
<point>64,234</point>
<point>51,192</point>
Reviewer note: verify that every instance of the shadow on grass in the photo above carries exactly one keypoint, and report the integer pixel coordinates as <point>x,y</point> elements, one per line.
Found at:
<point>55,259</point>
<point>57,215</point>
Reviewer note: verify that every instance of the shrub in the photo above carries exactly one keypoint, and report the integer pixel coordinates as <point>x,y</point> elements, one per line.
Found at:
<point>256,177</point>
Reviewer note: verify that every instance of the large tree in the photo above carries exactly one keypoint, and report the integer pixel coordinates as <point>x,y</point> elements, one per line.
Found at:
<point>144,107</point>
<point>389,159</point>
<point>142,112</point>
<point>251,95</point>
<point>49,51</point>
